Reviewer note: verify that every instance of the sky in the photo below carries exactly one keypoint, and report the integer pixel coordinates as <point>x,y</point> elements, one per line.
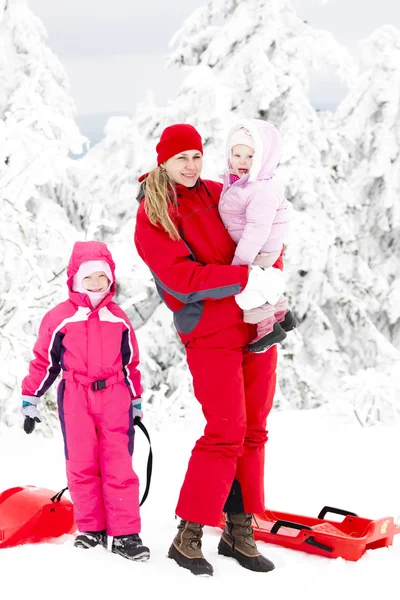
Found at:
<point>115,52</point>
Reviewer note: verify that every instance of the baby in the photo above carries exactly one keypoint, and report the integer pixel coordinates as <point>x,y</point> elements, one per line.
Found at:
<point>256,213</point>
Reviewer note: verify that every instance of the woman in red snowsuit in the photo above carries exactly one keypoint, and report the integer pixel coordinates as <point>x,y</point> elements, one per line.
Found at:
<point>182,239</point>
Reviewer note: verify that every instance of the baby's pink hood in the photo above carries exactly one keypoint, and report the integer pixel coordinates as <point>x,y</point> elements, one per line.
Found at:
<point>268,147</point>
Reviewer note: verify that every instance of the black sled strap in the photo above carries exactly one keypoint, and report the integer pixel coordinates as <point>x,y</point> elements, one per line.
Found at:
<point>137,422</point>
<point>57,497</point>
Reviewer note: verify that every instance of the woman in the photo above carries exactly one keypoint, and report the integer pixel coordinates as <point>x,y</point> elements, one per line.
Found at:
<point>182,239</point>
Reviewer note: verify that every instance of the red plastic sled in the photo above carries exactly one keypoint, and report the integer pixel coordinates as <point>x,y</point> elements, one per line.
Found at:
<point>29,515</point>
<point>348,539</point>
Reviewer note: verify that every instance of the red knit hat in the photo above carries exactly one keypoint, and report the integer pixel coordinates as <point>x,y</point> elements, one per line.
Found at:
<point>177,138</point>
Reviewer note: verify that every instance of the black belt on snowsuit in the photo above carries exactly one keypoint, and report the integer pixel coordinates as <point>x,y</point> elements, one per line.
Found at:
<point>95,385</point>
<point>101,384</point>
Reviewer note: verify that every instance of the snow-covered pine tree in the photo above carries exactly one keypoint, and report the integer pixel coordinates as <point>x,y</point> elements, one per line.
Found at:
<point>369,131</point>
<point>253,59</point>
<point>367,170</point>
<point>48,201</point>
<point>37,131</point>
<point>98,191</point>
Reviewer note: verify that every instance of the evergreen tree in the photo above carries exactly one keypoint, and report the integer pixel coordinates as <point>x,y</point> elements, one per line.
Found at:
<point>367,166</point>
<point>37,131</point>
<point>253,59</point>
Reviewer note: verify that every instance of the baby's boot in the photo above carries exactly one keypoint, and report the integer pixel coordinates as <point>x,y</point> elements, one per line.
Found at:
<point>286,320</point>
<point>269,332</point>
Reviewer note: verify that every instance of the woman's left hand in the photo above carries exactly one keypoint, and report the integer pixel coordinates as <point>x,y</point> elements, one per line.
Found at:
<point>264,285</point>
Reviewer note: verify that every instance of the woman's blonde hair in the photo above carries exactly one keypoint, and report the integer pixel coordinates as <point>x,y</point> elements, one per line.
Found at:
<point>159,195</point>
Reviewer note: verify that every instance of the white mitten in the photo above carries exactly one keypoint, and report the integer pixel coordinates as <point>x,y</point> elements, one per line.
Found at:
<point>274,281</point>
<point>264,285</point>
<point>31,413</point>
<point>137,408</point>
<point>29,407</point>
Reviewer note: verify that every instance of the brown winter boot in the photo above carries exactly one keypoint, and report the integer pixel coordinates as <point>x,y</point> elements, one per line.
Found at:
<point>237,541</point>
<point>186,549</point>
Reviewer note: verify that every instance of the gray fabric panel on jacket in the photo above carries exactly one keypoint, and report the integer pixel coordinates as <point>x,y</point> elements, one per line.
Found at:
<point>159,289</point>
<point>192,297</point>
<point>142,192</point>
<point>188,317</point>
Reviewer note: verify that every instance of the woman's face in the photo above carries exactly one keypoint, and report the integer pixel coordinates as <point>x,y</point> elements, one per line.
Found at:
<point>185,167</point>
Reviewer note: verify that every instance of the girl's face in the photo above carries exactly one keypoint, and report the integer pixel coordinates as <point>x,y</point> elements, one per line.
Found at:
<point>185,167</point>
<point>96,282</point>
<point>241,159</point>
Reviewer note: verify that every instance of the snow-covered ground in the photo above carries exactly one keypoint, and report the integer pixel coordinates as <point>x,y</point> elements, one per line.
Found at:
<point>313,458</point>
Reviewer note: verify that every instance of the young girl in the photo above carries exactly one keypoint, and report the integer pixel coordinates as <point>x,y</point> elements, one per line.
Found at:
<point>90,339</point>
<point>256,214</point>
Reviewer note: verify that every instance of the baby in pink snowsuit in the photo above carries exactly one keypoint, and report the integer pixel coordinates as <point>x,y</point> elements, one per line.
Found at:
<point>256,213</point>
<point>91,341</point>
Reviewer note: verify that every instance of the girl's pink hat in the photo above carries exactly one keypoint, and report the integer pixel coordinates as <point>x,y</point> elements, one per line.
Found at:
<point>242,136</point>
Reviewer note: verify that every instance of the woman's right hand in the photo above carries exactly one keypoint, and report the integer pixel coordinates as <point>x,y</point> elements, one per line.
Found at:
<point>264,285</point>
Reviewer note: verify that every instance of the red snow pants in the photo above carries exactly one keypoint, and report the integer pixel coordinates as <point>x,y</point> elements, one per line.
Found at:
<point>235,389</point>
<point>98,435</point>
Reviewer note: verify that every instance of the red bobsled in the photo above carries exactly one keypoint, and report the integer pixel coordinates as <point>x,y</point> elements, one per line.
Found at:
<point>29,515</point>
<point>348,539</point>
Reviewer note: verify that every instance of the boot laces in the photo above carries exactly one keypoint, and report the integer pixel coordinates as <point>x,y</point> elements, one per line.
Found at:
<point>195,541</point>
<point>248,529</point>
<point>195,532</point>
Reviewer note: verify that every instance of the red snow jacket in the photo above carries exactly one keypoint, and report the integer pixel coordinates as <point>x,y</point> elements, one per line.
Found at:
<point>97,343</point>
<point>193,275</point>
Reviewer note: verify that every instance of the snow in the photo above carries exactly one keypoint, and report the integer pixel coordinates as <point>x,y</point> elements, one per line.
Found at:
<point>314,458</point>
<point>341,171</point>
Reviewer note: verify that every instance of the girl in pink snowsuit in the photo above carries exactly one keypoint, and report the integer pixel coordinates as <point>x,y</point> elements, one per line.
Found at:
<point>91,341</point>
<point>256,214</point>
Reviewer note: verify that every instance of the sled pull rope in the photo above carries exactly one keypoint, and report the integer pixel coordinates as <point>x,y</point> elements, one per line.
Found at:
<point>149,470</point>
<point>137,422</point>
<point>57,497</point>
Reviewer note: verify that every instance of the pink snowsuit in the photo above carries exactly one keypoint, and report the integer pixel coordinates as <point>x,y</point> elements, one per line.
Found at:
<point>254,209</point>
<point>96,351</point>
<point>257,215</point>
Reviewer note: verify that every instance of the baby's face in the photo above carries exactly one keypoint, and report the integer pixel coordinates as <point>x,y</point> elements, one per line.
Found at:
<point>96,282</point>
<point>241,159</point>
